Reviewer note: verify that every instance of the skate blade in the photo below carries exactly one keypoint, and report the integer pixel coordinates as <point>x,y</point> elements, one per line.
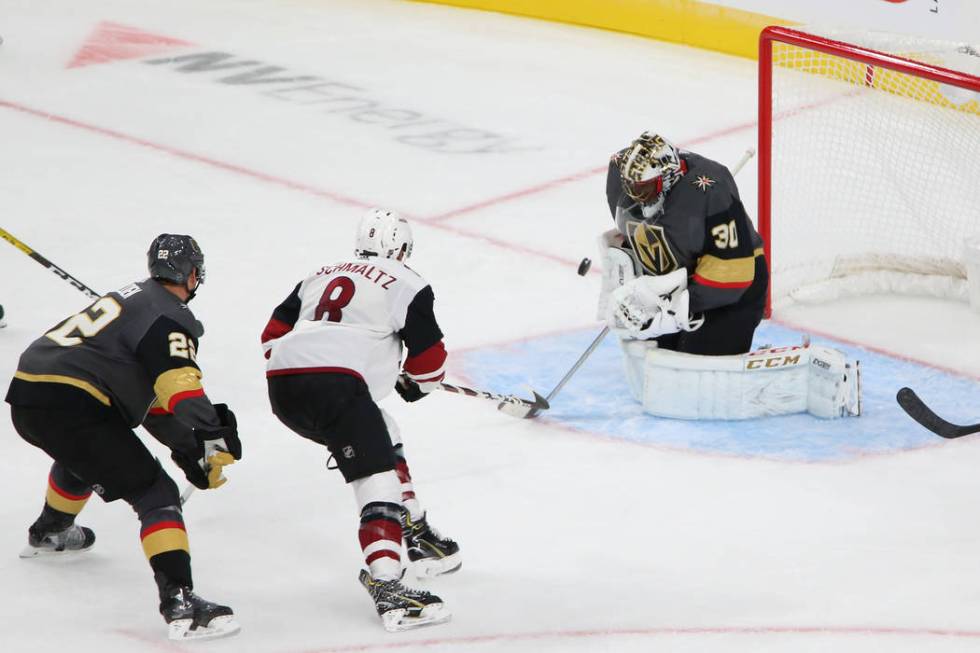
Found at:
<point>432,567</point>
<point>40,552</point>
<point>396,621</point>
<point>180,629</point>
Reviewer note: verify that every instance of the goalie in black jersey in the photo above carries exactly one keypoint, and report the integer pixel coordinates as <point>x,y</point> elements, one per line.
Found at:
<point>694,274</point>
<point>81,388</point>
<point>684,287</point>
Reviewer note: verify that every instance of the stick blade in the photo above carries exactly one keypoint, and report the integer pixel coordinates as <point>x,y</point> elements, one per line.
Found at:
<point>917,410</point>
<point>522,408</point>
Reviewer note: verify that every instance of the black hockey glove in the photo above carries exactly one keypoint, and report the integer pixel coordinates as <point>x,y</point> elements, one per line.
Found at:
<point>408,389</point>
<point>216,448</point>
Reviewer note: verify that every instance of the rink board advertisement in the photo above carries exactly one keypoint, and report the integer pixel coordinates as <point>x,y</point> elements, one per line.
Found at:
<point>733,26</point>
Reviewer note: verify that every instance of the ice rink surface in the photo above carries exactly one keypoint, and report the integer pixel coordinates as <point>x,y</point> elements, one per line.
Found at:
<point>265,129</point>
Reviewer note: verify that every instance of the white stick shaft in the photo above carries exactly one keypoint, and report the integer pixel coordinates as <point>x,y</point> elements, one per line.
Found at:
<point>749,153</point>
<point>578,363</point>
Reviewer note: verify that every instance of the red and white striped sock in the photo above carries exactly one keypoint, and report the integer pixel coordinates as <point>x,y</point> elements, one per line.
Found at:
<point>380,532</point>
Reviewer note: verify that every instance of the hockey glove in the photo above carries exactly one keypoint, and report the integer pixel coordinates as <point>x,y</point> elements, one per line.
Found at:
<point>408,389</point>
<point>652,306</point>
<point>216,448</point>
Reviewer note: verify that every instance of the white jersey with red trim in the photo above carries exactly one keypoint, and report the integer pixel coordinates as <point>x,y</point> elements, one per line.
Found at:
<point>353,317</point>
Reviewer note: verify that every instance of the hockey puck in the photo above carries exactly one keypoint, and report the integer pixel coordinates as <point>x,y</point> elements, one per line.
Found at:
<point>583,267</point>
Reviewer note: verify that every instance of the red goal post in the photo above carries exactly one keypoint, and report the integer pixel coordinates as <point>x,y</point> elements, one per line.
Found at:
<point>869,162</point>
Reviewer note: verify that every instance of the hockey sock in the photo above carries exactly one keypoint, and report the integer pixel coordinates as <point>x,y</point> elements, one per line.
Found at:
<point>166,547</point>
<point>162,533</point>
<point>380,533</point>
<point>409,500</point>
<point>66,496</point>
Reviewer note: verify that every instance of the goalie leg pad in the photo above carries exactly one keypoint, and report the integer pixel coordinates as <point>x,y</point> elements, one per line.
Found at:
<point>834,388</point>
<point>774,381</point>
<point>634,358</point>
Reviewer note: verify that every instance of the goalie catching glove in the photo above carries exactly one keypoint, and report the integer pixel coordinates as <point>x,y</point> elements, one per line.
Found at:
<point>216,448</point>
<point>652,306</point>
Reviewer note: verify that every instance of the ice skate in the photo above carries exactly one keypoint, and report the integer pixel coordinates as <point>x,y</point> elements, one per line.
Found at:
<point>404,608</point>
<point>74,539</point>
<point>191,617</point>
<point>430,553</point>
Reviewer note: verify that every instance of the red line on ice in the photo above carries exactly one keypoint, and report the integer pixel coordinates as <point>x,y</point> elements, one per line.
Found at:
<point>578,176</point>
<point>877,350</point>
<point>275,180</point>
<point>189,156</point>
<point>866,631</point>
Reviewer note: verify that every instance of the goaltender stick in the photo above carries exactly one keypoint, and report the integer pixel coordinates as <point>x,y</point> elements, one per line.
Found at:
<point>684,287</point>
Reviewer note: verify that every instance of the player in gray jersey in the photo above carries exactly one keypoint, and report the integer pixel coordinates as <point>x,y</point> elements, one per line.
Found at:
<point>80,390</point>
<point>689,260</point>
<point>684,286</point>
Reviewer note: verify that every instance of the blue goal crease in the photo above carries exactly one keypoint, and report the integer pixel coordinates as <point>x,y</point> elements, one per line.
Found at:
<point>598,400</point>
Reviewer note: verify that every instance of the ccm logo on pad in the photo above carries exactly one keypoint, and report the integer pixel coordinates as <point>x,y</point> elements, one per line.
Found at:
<point>770,362</point>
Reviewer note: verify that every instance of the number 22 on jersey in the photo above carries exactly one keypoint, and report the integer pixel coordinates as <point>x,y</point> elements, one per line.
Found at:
<point>104,311</point>
<point>338,294</point>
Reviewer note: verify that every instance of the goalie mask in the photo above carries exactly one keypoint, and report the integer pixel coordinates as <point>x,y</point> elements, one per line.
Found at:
<point>385,234</point>
<point>649,168</point>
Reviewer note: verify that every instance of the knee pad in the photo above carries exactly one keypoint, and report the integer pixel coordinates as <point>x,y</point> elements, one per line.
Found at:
<point>162,493</point>
<point>67,481</point>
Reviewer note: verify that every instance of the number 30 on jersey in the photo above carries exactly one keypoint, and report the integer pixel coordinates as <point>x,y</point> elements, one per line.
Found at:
<point>726,235</point>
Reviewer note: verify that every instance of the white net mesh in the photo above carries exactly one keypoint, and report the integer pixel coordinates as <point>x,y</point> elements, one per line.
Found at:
<point>875,173</point>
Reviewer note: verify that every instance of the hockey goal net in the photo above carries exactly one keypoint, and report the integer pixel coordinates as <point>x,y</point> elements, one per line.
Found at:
<point>869,163</point>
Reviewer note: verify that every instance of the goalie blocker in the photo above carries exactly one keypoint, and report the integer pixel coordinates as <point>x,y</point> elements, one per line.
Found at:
<point>773,381</point>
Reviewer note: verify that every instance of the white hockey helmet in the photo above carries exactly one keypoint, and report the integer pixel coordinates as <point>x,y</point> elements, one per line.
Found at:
<point>383,233</point>
<point>649,168</point>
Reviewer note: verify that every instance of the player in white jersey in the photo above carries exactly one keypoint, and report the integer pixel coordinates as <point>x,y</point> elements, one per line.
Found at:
<point>334,349</point>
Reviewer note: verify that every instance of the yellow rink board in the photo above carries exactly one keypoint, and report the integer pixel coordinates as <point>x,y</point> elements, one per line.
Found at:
<point>702,25</point>
<point>691,22</point>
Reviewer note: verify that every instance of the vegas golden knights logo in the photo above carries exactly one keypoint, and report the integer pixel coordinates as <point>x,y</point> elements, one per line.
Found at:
<point>651,247</point>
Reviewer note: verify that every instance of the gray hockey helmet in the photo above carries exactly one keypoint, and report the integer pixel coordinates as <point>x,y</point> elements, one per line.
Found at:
<point>172,257</point>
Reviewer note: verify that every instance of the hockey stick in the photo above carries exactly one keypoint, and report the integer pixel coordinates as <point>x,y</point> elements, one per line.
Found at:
<point>10,238</point>
<point>749,153</point>
<point>917,410</point>
<point>6,235</point>
<point>514,406</point>
<point>568,375</point>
